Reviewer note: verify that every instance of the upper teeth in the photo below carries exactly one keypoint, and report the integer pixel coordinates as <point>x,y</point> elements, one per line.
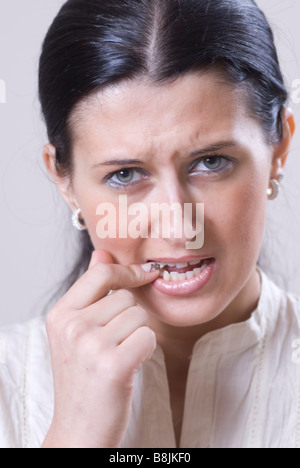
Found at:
<point>179,265</point>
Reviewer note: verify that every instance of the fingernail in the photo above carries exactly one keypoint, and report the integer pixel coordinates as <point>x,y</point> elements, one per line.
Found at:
<point>150,267</point>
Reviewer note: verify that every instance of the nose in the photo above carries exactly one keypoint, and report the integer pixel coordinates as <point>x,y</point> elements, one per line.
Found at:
<point>178,219</point>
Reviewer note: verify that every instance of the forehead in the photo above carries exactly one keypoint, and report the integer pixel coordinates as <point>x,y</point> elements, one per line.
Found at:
<point>140,116</point>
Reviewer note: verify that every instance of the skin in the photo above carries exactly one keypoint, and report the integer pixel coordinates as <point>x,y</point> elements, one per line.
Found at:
<point>162,126</point>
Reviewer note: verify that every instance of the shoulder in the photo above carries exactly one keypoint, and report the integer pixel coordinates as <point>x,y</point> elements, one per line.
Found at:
<point>23,332</point>
<point>287,306</point>
<point>280,315</point>
<point>282,338</point>
<point>286,329</point>
<point>282,308</point>
<point>276,414</point>
<point>17,344</point>
<point>25,383</point>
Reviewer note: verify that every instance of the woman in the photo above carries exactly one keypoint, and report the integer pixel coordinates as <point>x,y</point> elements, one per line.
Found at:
<point>161,101</point>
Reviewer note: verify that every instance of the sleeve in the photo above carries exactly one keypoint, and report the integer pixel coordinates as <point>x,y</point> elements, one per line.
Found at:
<point>26,385</point>
<point>13,342</point>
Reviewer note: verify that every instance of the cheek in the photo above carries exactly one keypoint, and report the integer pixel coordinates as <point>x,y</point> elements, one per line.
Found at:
<point>238,217</point>
<point>124,251</point>
<point>252,211</point>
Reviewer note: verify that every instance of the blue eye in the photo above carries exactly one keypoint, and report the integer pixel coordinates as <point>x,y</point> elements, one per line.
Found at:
<point>128,177</point>
<point>213,164</point>
<point>124,178</point>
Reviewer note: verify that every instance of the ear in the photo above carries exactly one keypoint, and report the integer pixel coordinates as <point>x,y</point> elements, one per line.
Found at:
<point>281,150</point>
<point>63,183</point>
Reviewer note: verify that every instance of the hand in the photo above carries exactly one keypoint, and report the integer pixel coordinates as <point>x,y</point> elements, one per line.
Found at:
<point>97,344</point>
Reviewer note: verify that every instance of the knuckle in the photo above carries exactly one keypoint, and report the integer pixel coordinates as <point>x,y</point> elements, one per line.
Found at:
<point>149,334</point>
<point>102,269</point>
<point>74,330</point>
<point>100,273</point>
<point>125,297</point>
<point>149,338</point>
<point>52,320</point>
<point>140,313</point>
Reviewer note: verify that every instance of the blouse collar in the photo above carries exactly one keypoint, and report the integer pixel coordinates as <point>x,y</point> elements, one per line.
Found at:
<point>242,335</point>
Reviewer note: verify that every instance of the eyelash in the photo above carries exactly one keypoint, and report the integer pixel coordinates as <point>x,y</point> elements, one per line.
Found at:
<point>125,186</point>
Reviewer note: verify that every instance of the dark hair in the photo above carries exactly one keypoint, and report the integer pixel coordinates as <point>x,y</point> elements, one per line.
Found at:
<point>92,44</point>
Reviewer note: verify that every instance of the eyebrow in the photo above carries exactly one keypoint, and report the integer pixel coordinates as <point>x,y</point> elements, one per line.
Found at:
<point>130,162</point>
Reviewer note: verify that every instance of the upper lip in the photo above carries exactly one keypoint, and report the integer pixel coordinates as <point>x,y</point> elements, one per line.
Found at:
<point>181,259</point>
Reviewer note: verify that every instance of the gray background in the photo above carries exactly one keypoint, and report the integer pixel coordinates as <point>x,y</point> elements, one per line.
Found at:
<point>37,243</point>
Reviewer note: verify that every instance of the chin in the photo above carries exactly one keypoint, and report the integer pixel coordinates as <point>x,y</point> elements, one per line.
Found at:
<point>180,311</point>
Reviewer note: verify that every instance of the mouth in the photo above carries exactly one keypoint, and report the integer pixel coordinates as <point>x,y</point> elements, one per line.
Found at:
<point>177,272</point>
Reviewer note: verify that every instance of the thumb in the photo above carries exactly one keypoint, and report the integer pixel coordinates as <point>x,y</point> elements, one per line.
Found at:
<point>100,256</point>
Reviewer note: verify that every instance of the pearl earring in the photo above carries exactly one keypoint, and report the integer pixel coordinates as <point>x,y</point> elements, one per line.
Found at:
<point>77,221</point>
<point>274,190</point>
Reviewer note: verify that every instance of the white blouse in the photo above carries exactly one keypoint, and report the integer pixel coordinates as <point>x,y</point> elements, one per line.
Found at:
<point>243,388</point>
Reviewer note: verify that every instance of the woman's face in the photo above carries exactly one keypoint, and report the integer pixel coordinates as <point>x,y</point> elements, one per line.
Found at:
<point>166,127</point>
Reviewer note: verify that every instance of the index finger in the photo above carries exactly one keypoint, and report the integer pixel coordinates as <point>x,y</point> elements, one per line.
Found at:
<point>98,280</point>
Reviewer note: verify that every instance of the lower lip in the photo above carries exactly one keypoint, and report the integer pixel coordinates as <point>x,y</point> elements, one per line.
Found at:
<point>183,288</point>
